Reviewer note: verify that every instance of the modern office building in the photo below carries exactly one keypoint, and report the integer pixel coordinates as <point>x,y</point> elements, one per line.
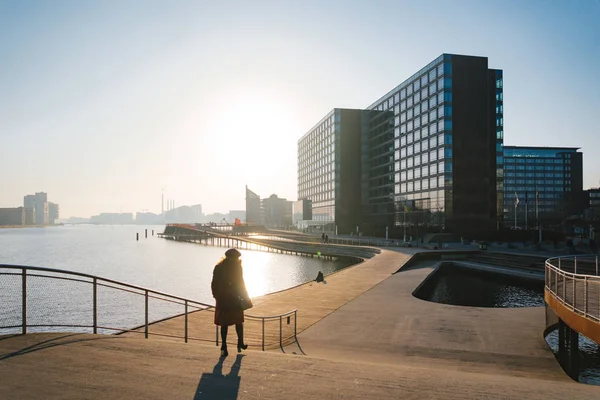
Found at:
<point>592,204</point>
<point>12,216</point>
<point>39,202</point>
<point>253,212</point>
<point>302,213</point>
<point>29,216</point>
<point>277,212</point>
<point>53,213</point>
<point>555,173</point>
<point>329,168</point>
<point>427,153</point>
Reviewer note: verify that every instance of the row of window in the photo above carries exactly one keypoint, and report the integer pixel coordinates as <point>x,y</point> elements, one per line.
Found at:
<point>421,160</point>
<point>509,167</point>
<point>511,189</point>
<point>519,160</point>
<point>419,185</point>
<point>425,81</point>
<point>510,174</point>
<point>537,182</point>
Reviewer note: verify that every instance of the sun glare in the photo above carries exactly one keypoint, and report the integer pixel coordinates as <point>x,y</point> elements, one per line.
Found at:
<point>255,264</point>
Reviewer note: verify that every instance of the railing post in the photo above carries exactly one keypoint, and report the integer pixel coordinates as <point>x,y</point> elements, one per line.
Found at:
<point>596,265</point>
<point>585,299</point>
<point>281,331</point>
<point>263,334</point>
<point>186,322</point>
<point>559,264</point>
<point>575,264</point>
<point>95,302</point>
<point>295,325</point>
<point>146,314</point>
<point>217,334</point>
<point>574,295</point>
<point>24,301</point>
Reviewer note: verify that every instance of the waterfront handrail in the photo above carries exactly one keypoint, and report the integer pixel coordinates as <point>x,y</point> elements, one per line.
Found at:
<point>23,275</point>
<point>575,282</point>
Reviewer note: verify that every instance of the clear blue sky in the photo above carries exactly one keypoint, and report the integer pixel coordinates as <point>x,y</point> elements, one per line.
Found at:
<point>103,104</point>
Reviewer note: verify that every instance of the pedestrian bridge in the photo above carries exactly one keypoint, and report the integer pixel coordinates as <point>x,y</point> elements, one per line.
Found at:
<point>572,294</point>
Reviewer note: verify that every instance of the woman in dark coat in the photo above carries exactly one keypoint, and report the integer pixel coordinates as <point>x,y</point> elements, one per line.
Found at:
<point>229,290</point>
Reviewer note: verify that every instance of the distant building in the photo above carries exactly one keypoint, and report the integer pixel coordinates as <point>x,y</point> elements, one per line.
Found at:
<point>29,216</point>
<point>39,202</point>
<point>53,213</point>
<point>12,216</point>
<point>592,204</point>
<point>112,219</point>
<point>302,213</point>
<point>557,175</point>
<point>253,212</point>
<point>239,214</point>
<point>277,212</point>
<point>148,218</point>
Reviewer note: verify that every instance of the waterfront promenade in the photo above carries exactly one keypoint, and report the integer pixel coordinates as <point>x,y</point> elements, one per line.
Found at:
<point>364,335</point>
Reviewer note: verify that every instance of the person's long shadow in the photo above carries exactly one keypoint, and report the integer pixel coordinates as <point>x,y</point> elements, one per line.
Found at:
<point>215,385</point>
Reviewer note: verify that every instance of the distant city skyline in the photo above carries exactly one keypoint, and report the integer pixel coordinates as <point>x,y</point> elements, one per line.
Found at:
<point>107,110</point>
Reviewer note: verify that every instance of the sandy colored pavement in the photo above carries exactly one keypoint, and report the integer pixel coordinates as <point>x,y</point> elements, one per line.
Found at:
<point>365,337</point>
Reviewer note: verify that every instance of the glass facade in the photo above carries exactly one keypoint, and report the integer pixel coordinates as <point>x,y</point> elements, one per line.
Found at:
<point>317,167</point>
<point>421,151</point>
<point>547,171</point>
<point>499,92</point>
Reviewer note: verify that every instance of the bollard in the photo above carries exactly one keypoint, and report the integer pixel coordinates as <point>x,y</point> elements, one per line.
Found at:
<point>146,233</point>
<point>137,236</point>
<point>152,232</point>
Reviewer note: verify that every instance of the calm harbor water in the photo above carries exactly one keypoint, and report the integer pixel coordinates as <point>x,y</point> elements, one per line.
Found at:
<point>112,252</point>
<point>466,287</point>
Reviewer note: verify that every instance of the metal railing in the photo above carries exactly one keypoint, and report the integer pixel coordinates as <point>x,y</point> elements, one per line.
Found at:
<point>36,299</point>
<point>575,282</point>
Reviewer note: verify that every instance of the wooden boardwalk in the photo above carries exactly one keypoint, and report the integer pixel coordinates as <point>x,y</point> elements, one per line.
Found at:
<point>314,301</point>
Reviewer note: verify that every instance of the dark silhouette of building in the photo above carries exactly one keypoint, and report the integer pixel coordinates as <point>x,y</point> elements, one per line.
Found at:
<point>555,173</point>
<point>253,213</point>
<point>428,153</point>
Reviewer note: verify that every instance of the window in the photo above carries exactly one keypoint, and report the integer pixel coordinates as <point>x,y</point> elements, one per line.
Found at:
<point>448,111</point>
<point>448,138</point>
<point>440,69</point>
<point>433,102</point>
<point>448,124</point>
<point>432,155</point>
<point>448,152</point>
<point>448,97</point>
<point>432,183</point>
<point>433,142</point>
<point>417,85</point>
<point>424,93</point>
<point>417,97</point>
<point>424,80</point>
<point>424,106</point>
<point>433,115</point>
<point>447,83</point>
<point>432,74</point>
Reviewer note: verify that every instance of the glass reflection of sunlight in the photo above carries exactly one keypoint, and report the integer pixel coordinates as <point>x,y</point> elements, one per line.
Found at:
<point>255,264</point>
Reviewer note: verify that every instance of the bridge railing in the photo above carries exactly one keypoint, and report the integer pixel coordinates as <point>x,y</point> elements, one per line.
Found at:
<point>575,282</point>
<point>36,299</point>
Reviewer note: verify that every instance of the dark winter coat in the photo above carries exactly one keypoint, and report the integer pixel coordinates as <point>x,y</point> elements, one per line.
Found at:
<point>227,287</point>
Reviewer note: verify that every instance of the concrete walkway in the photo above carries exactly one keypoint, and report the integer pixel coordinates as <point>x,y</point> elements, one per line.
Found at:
<point>364,334</point>
<point>313,301</point>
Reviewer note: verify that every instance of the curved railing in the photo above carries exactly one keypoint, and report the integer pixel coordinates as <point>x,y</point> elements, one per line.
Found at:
<point>574,282</point>
<point>36,299</point>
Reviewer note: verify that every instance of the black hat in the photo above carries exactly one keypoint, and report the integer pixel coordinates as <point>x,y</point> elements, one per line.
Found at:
<point>233,253</point>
